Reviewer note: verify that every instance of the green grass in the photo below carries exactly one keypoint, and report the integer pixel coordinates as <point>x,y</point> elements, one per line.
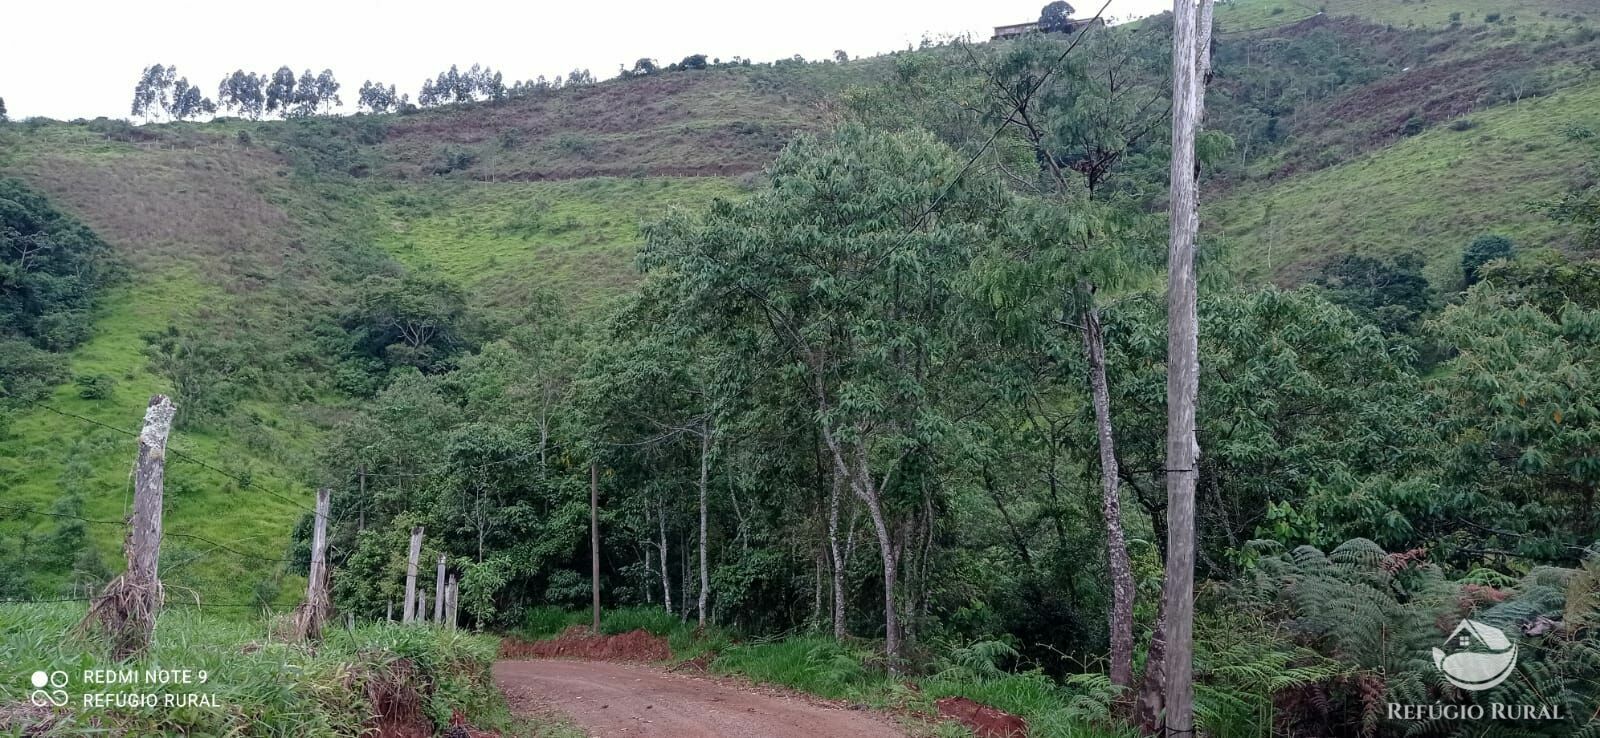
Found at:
<point>1244,15</point>
<point>47,455</point>
<point>1431,193</point>
<point>262,686</point>
<point>576,236</point>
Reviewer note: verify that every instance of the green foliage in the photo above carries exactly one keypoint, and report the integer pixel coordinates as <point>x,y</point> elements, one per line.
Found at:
<point>1482,250</point>
<point>51,269</point>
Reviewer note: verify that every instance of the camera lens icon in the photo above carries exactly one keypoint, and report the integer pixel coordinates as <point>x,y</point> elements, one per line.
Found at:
<point>56,696</point>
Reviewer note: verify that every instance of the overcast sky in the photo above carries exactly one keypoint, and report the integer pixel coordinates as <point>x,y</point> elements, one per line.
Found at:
<point>68,60</point>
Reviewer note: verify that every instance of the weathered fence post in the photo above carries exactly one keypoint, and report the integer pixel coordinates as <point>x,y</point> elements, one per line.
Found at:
<point>453,592</point>
<point>438,593</point>
<point>388,611</point>
<point>422,607</point>
<point>127,607</point>
<point>313,613</point>
<point>410,611</point>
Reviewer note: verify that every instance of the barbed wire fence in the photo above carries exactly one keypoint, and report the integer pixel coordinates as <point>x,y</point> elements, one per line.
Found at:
<point>308,616</point>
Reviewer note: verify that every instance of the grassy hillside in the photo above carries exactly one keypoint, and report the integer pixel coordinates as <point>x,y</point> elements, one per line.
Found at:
<point>1431,193</point>
<point>258,232</point>
<point>236,227</point>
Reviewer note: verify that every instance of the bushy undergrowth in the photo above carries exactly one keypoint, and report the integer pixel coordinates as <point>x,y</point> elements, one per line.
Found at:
<point>260,684</point>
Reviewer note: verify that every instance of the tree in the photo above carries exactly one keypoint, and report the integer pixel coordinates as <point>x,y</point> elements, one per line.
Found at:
<point>280,94</point>
<point>1482,250</point>
<point>375,98</point>
<point>840,57</point>
<point>243,93</point>
<point>3,118</point>
<point>427,97</point>
<point>848,273</point>
<point>327,91</point>
<point>187,102</point>
<point>1056,17</point>
<point>641,68</point>
<point>152,94</point>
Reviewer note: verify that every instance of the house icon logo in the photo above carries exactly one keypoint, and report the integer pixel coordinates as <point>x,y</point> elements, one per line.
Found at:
<point>1480,656</point>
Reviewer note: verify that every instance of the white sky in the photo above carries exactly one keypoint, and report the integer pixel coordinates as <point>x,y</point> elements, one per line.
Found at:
<point>69,60</point>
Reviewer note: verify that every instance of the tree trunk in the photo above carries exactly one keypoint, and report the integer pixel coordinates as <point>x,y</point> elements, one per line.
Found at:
<point>666,581</point>
<point>1122,587</point>
<point>839,561</point>
<point>594,539</point>
<point>1152,691</point>
<point>705,471</point>
<point>1183,450</point>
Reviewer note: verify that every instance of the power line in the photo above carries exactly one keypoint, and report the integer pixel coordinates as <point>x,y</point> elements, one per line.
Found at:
<point>164,533</point>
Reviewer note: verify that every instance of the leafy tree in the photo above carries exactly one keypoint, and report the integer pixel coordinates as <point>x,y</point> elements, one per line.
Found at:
<point>280,92</point>
<point>153,92</point>
<point>641,68</point>
<point>3,118</point>
<point>51,270</point>
<point>376,98</point>
<point>187,101</point>
<point>847,273</point>
<point>243,93</point>
<point>205,368</point>
<point>409,320</point>
<point>579,78</point>
<point>1482,250</point>
<point>1056,17</point>
<point>428,97</point>
<point>1389,293</point>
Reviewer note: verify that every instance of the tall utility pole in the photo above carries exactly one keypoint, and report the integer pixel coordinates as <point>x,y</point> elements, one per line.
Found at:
<point>594,538</point>
<point>1183,365</point>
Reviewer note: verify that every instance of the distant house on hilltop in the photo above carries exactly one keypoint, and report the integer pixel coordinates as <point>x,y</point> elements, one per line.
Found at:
<point>1014,30</point>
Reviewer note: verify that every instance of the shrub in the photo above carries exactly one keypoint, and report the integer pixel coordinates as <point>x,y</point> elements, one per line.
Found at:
<point>95,386</point>
<point>1482,250</point>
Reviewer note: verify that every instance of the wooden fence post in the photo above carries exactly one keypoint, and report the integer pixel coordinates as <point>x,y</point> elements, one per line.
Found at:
<point>438,593</point>
<point>127,607</point>
<point>388,611</point>
<point>313,613</point>
<point>422,606</point>
<point>453,591</point>
<point>410,610</point>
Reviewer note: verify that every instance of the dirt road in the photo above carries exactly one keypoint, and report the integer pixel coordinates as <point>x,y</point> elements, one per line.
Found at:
<point>609,699</point>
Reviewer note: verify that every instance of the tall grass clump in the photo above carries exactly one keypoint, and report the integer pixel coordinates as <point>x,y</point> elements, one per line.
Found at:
<point>256,684</point>
<point>815,664</point>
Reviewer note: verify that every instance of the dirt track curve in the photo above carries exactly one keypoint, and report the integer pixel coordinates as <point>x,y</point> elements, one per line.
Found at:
<point>609,699</point>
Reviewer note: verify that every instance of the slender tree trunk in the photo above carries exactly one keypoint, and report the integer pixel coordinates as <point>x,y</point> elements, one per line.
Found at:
<point>1122,587</point>
<point>705,471</point>
<point>1152,691</point>
<point>666,581</point>
<point>594,539</point>
<point>839,561</point>
<point>1183,449</point>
